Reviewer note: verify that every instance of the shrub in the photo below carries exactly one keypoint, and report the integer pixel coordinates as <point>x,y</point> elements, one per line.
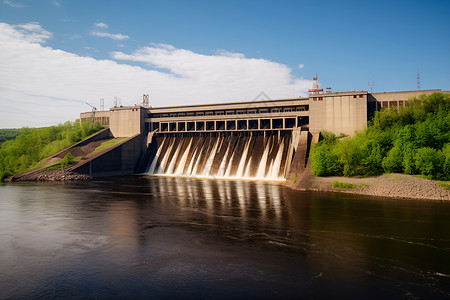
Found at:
<point>343,185</point>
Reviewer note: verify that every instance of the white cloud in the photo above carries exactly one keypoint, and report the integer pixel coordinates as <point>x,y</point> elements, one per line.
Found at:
<point>31,32</point>
<point>114,36</point>
<point>14,4</point>
<point>41,86</point>
<point>300,66</point>
<point>56,3</point>
<point>101,25</point>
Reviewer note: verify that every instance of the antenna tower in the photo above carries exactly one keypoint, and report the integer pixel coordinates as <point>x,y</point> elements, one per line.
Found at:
<point>315,89</point>
<point>102,104</point>
<point>146,100</point>
<point>418,81</point>
<point>371,83</point>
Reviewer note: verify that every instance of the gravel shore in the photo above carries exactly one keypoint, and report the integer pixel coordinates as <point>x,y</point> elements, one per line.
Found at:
<point>49,175</point>
<point>388,185</point>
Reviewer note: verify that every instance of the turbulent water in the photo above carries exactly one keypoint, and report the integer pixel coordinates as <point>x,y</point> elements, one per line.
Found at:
<point>171,237</point>
<point>253,156</point>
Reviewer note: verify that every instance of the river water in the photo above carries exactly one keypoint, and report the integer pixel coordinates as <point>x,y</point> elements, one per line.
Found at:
<point>166,237</point>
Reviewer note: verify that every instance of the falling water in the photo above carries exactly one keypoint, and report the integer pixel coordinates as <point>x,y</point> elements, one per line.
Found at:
<point>246,156</point>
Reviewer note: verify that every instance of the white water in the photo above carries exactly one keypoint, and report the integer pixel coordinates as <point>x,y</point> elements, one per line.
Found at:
<point>201,162</point>
<point>240,171</point>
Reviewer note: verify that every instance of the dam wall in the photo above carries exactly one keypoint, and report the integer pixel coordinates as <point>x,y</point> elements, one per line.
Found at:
<point>267,139</point>
<point>244,155</point>
<point>121,159</point>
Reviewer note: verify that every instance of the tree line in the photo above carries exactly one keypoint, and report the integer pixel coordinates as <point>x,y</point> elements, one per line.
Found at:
<point>8,134</point>
<point>414,139</point>
<point>32,145</point>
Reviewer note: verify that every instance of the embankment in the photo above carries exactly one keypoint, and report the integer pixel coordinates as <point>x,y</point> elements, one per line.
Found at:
<point>399,186</point>
<point>120,159</point>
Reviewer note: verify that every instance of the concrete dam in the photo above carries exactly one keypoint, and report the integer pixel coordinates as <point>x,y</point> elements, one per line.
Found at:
<point>249,155</point>
<point>264,140</point>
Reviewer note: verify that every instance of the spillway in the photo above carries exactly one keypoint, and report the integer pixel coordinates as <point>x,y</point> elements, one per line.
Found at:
<point>245,155</point>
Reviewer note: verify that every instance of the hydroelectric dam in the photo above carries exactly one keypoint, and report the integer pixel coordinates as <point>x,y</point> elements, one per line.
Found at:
<point>264,140</point>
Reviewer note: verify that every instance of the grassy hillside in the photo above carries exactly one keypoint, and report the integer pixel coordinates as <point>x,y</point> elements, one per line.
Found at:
<point>413,140</point>
<point>34,144</point>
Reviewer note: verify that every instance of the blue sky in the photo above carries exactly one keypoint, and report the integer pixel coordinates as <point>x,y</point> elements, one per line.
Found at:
<point>57,54</point>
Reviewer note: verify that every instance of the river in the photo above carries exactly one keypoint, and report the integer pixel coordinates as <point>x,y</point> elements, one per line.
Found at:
<point>168,237</point>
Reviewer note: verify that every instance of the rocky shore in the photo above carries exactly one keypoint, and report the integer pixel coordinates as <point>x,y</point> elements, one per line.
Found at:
<point>387,185</point>
<point>49,175</point>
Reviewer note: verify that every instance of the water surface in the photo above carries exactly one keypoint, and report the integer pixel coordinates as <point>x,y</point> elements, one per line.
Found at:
<point>166,237</point>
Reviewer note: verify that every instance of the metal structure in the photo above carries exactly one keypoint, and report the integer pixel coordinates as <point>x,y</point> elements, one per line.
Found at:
<point>371,83</point>
<point>315,89</point>
<point>418,81</point>
<point>102,104</point>
<point>94,109</point>
<point>117,102</point>
<point>146,100</point>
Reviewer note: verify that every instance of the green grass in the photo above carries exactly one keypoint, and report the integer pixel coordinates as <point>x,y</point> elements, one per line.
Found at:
<point>294,180</point>
<point>64,162</point>
<point>445,185</point>
<point>343,185</point>
<point>108,144</point>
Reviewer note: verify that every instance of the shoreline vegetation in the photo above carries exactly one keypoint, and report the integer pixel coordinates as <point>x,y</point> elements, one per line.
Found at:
<point>413,140</point>
<point>404,152</point>
<point>32,146</point>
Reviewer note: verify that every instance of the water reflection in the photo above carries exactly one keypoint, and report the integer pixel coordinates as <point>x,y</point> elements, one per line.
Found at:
<point>253,206</point>
<point>172,237</point>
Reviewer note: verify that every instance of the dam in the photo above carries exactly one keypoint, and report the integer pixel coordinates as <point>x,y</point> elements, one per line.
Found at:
<point>264,140</point>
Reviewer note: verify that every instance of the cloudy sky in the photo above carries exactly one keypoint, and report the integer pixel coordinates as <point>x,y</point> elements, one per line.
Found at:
<point>56,55</point>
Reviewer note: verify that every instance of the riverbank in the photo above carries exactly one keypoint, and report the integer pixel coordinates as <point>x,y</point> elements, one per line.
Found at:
<point>387,185</point>
<point>63,174</point>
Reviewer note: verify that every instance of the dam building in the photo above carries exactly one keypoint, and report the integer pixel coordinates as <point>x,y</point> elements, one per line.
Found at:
<point>266,139</point>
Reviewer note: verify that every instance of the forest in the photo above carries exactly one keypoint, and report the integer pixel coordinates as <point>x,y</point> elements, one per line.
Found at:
<point>414,139</point>
<point>8,134</point>
<point>32,145</point>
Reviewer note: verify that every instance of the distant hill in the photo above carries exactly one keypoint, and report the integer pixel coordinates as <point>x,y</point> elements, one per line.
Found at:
<point>8,134</point>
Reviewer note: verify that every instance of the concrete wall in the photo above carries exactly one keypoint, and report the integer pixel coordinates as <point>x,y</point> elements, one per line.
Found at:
<point>378,101</point>
<point>127,121</point>
<point>122,159</point>
<point>338,112</point>
<point>100,116</point>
